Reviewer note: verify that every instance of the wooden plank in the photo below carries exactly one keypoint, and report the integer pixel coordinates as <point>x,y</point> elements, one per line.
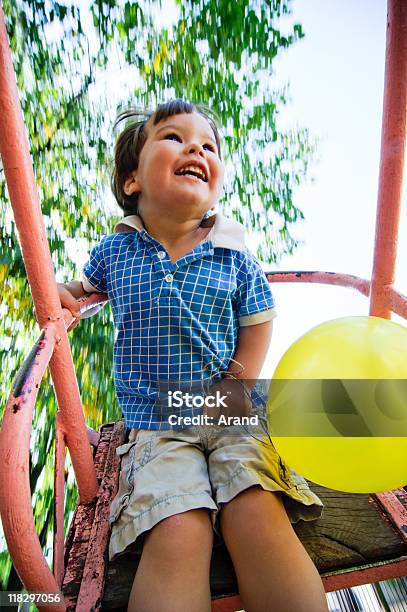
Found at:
<point>76,554</point>
<point>352,531</point>
<point>93,579</point>
<point>80,530</point>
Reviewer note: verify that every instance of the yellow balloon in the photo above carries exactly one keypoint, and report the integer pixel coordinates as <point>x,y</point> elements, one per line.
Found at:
<point>337,406</point>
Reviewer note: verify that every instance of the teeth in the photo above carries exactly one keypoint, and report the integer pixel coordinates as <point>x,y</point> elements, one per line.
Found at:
<point>194,169</point>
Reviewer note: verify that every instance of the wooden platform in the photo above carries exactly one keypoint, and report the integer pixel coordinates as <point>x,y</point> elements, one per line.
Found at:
<point>354,533</point>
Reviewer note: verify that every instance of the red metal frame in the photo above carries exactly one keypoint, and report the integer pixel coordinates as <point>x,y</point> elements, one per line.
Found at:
<point>325,278</point>
<point>391,158</point>
<point>53,347</point>
<point>22,189</point>
<point>59,496</point>
<point>227,604</point>
<point>16,511</point>
<point>394,503</point>
<point>365,575</point>
<point>391,299</point>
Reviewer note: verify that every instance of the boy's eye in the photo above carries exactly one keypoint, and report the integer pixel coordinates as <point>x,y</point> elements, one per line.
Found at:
<point>173,137</point>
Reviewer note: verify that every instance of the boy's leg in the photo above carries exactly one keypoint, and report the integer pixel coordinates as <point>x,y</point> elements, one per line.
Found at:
<point>173,574</point>
<point>273,569</point>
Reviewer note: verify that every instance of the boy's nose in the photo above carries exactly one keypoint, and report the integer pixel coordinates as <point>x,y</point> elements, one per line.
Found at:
<point>195,148</point>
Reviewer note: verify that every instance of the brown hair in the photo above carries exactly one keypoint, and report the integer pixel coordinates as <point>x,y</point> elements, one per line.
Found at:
<point>132,139</point>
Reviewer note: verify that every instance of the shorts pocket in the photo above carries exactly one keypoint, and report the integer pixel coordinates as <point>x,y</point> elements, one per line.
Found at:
<point>290,477</point>
<point>298,481</point>
<point>134,455</point>
<point>139,455</point>
<point>284,471</point>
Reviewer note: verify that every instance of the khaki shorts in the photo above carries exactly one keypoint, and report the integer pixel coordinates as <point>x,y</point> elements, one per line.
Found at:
<point>168,472</point>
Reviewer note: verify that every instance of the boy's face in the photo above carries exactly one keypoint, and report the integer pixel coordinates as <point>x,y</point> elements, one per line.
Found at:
<point>179,171</point>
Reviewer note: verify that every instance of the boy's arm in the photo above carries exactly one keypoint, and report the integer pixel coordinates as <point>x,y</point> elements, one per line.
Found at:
<point>251,350</point>
<point>68,295</point>
<point>252,345</point>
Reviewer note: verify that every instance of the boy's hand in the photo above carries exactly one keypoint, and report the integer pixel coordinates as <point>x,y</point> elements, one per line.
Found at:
<point>236,402</point>
<point>68,301</point>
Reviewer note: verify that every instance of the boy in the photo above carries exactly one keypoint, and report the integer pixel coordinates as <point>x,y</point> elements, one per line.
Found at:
<point>191,305</point>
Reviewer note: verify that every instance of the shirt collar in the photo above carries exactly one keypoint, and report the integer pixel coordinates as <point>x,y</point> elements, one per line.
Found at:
<point>225,233</point>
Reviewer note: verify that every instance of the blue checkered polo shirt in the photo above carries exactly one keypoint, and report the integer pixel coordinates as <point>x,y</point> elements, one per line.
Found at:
<point>178,321</point>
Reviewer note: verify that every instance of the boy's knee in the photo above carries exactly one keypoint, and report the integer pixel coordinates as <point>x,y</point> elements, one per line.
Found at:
<point>185,530</point>
<point>254,506</point>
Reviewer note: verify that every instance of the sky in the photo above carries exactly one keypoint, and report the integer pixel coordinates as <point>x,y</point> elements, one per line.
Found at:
<point>336,76</point>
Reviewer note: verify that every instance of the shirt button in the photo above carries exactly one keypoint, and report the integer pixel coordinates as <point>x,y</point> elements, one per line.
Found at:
<point>169,278</point>
<point>161,254</point>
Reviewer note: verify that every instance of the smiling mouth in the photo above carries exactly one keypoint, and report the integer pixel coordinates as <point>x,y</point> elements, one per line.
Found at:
<point>192,171</point>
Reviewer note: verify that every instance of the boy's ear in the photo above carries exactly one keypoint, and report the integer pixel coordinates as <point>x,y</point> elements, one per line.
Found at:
<point>131,184</point>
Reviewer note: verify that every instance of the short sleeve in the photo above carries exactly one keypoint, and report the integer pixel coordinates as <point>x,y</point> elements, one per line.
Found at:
<point>255,302</point>
<point>94,271</point>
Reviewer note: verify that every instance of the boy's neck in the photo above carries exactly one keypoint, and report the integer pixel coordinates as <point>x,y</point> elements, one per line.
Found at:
<point>172,233</point>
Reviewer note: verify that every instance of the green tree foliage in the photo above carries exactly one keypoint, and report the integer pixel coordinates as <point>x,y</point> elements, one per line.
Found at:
<point>76,64</point>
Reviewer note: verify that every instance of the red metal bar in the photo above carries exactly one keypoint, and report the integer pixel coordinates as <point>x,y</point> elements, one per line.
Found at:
<point>89,305</point>
<point>59,499</point>
<point>16,510</point>
<point>227,604</point>
<point>392,157</point>
<point>366,575</point>
<point>324,278</point>
<point>394,301</point>
<point>394,503</point>
<point>19,174</point>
